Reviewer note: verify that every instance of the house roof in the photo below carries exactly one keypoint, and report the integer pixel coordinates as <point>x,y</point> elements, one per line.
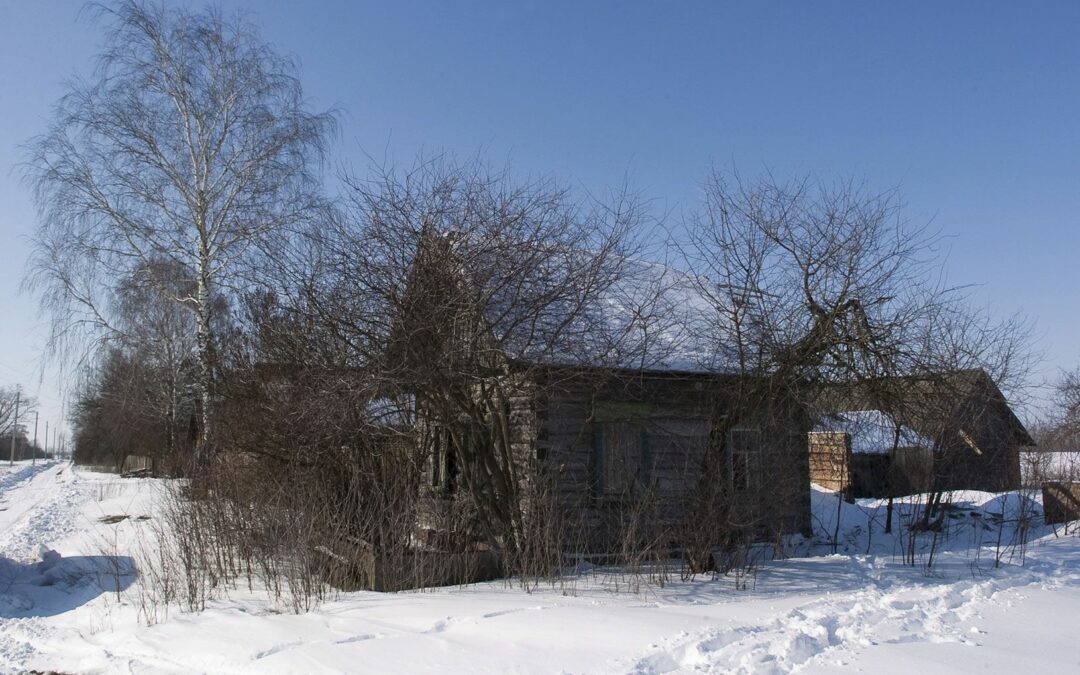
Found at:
<point>658,318</point>
<point>649,317</point>
<point>872,431</point>
<point>935,405</point>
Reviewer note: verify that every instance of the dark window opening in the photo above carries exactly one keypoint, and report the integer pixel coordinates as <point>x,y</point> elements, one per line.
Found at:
<point>744,459</point>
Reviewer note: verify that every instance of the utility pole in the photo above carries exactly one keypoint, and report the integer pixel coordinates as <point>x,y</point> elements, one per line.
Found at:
<point>14,425</point>
<point>46,439</point>
<point>33,448</point>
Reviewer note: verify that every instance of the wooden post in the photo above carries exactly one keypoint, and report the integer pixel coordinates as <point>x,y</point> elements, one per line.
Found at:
<point>14,425</point>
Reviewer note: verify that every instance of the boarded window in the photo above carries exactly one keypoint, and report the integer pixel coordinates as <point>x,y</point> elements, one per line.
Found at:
<point>622,461</point>
<point>744,459</point>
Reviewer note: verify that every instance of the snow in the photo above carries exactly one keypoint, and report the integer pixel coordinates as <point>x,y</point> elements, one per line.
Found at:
<point>664,319</point>
<point>70,601</point>
<point>872,431</point>
<point>1037,466</point>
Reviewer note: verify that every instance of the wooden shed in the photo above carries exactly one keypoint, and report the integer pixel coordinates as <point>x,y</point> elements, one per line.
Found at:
<point>1061,501</point>
<point>866,453</point>
<point>961,416</point>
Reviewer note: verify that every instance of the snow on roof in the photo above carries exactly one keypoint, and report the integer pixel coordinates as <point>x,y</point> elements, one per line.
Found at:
<point>661,319</point>
<point>872,431</point>
<point>651,316</point>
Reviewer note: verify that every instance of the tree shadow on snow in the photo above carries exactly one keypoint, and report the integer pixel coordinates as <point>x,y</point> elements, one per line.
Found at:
<point>56,584</point>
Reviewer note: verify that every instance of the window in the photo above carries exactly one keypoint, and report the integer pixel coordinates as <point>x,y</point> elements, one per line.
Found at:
<point>744,459</point>
<point>622,461</point>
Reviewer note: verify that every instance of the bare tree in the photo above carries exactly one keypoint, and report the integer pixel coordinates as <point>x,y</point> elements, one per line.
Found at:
<point>454,286</point>
<point>1059,431</point>
<point>160,336</point>
<point>1067,390</point>
<point>191,144</point>
<point>810,282</point>
<point>10,398</point>
<point>400,339</point>
<point>824,295</point>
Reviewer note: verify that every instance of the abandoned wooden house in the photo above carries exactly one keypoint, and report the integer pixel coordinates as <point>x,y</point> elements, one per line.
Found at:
<point>962,417</point>
<point>606,446</point>
<point>595,413</point>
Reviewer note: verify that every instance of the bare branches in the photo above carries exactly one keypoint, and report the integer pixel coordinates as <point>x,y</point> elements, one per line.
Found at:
<point>829,283</point>
<point>447,278</point>
<point>10,397</point>
<point>191,144</point>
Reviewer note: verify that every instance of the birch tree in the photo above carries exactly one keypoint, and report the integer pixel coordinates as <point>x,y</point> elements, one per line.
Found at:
<point>190,143</point>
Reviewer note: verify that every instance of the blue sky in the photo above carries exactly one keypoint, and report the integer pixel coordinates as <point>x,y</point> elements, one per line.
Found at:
<point>971,108</point>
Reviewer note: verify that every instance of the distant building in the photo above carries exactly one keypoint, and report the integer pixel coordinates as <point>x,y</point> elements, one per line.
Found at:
<point>949,431</point>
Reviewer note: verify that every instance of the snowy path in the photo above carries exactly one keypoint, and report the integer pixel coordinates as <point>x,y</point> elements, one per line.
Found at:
<point>41,507</point>
<point>37,503</point>
<point>840,613</point>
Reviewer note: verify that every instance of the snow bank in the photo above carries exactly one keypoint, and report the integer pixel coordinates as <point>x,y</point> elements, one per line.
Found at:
<point>76,605</point>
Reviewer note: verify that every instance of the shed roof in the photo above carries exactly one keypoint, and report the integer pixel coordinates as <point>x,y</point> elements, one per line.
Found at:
<point>872,431</point>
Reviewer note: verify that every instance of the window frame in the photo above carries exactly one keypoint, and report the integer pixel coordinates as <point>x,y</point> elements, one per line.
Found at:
<point>751,477</point>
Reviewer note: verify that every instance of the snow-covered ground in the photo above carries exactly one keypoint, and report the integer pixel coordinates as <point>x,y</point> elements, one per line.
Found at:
<point>70,602</point>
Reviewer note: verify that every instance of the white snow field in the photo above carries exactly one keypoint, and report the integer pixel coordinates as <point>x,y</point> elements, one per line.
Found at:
<point>70,602</point>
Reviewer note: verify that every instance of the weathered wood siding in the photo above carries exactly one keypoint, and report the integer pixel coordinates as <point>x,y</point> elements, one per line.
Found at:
<point>1061,502</point>
<point>911,471</point>
<point>830,460</point>
<point>352,565</point>
<point>137,463</point>
<point>450,516</point>
<point>978,448</point>
<point>901,471</point>
<point>679,414</point>
<point>556,416</point>
<point>976,436</point>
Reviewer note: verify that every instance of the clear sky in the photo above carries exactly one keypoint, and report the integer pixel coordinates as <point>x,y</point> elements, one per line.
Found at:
<point>971,108</point>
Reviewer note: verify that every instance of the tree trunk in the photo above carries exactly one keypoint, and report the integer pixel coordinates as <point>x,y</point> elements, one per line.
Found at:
<point>205,346</point>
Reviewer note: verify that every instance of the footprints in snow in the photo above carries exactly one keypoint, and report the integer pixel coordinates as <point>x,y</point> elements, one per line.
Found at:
<point>872,616</point>
<point>358,638</point>
<point>288,646</point>
<point>440,626</point>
